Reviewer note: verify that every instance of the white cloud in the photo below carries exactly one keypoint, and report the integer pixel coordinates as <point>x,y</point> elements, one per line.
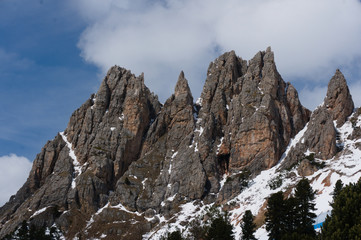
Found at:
<point>312,97</point>
<point>310,38</point>
<point>13,174</point>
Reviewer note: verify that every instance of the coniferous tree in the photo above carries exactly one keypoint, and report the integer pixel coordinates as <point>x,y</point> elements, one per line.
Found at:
<point>290,215</point>
<point>55,233</point>
<point>305,206</point>
<point>345,220</point>
<point>275,216</point>
<point>337,189</point>
<point>175,235</point>
<point>220,229</point>
<point>248,226</point>
<point>23,232</point>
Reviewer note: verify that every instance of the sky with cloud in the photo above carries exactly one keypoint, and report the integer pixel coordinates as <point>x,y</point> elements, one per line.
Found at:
<point>54,54</point>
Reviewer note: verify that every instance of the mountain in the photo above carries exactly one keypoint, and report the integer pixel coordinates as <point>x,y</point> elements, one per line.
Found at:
<point>129,167</point>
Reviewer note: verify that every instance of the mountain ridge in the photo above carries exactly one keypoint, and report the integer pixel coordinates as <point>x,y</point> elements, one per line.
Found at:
<point>126,156</point>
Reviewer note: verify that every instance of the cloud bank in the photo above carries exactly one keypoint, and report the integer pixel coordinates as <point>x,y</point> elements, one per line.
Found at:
<point>13,174</point>
<point>160,38</point>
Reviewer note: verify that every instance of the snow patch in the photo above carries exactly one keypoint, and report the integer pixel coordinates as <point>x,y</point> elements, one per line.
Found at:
<point>121,118</point>
<point>346,167</point>
<point>200,130</point>
<point>219,145</point>
<point>39,211</point>
<point>171,160</point>
<point>121,207</point>
<point>199,101</point>
<point>76,164</point>
<point>143,182</point>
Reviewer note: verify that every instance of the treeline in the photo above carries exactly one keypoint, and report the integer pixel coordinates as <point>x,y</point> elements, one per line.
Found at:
<point>292,218</point>
<point>26,232</point>
<point>345,220</point>
<point>214,225</point>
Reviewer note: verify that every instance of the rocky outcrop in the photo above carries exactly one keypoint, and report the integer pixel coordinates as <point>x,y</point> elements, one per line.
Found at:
<point>169,171</point>
<point>124,158</point>
<point>320,135</point>
<point>247,116</point>
<point>78,169</point>
<point>306,168</point>
<point>338,100</point>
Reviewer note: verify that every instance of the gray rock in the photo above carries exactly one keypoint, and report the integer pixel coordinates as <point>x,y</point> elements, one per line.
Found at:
<point>248,115</point>
<point>320,136</point>
<point>306,168</point>
<point>338,100</point>
<point>138,158</point>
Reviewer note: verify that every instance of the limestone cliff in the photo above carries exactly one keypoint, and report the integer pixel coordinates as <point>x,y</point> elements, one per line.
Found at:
<point>124,158</point>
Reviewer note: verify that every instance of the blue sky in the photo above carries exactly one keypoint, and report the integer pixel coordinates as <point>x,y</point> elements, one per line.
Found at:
<point>43,78</point>
<point>54,54</point>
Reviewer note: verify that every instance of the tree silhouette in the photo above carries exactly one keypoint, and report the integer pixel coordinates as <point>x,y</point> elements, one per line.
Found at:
<point>305,206</point>
<point>248,226</point>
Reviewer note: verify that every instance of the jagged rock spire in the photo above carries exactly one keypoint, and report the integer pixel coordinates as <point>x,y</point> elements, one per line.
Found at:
<point>181,86</point>
<point>338,100</point>
<point>320,135</point>
<point>136,155</point>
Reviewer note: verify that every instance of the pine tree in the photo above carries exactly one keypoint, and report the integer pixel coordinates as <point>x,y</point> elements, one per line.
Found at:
<point>23,232</point>
<point>305,206</point>
<point>220,229</point>
<point>337,189</point>
<point>248,226</point>
<point>275,216</point>
<point>175,235</point>
<point>345,220</point>
<point>290,215</point>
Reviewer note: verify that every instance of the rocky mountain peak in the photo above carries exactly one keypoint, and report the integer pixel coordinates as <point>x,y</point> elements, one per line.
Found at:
<point>321,134</point>
<point>124,158</point>
<point>338,100</point>
<point>182,89</point>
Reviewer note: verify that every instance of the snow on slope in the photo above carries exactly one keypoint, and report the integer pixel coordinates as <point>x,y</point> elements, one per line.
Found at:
<point>345,166</point>
<point>76,163</point>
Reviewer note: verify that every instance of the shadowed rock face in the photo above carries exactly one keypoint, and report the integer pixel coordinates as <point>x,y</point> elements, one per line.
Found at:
<point>123,151</point>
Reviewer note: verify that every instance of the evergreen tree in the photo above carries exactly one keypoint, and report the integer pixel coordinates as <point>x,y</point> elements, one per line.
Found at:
<point>23,232</point>
<point>337,189</point>
<point>290,215</point>
<point>305,206</point>
<point>275,216</point>
<point>55,233</point>
<point>248,226</point>
<point>38,233</point>
<point>198,230</point>
<point>345,220</point>
<point>175,235</point>
<point>220,229</point>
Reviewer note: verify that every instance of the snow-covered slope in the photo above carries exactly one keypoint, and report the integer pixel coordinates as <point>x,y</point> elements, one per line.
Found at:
<point>345,166</point>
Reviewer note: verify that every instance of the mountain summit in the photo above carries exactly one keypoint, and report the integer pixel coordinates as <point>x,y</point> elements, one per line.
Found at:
<point>126,165</point>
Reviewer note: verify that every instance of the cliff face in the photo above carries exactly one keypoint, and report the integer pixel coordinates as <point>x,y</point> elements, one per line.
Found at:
<point>125,158</point>
<point>320,137</point>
